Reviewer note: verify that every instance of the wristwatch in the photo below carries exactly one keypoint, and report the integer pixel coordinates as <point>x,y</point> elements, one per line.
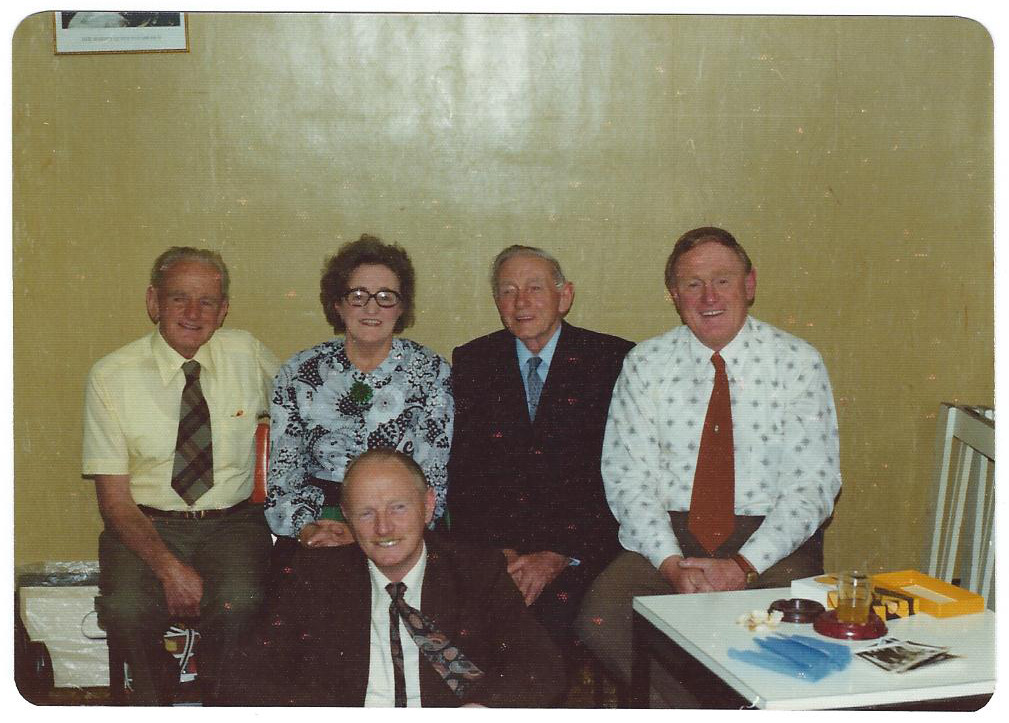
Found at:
<point>747,568</point>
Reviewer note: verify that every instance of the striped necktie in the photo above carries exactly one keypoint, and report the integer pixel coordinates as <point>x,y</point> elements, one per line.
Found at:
<point>396,590</point>
<point>193,472</point>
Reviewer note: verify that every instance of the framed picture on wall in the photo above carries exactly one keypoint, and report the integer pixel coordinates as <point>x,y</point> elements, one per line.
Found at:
<point>119,32</point>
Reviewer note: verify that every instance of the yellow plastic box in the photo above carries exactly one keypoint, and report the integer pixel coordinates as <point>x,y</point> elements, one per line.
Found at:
<point>936,598</point>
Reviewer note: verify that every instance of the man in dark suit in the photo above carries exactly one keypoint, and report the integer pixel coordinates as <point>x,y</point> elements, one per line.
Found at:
<point>531,403</point>
<point>402,618</point>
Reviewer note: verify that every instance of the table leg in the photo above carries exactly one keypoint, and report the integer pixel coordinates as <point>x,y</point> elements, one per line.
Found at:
<point>649,646</point>
<point>640,665</point>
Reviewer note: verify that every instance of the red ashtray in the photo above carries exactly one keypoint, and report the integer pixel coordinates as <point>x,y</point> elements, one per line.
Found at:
<point>828,624</point>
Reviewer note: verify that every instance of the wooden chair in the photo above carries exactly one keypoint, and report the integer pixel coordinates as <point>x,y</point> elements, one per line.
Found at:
<point>962,545</point>
<point>118,668</point>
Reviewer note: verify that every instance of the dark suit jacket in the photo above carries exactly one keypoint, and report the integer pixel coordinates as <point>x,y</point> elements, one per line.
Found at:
<point>315,646</point>
<point>534,486</point>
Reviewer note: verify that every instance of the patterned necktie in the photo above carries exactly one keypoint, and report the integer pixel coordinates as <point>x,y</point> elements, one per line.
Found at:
<point>451,663</point>
<point>534,385</point>
<point>396,590</point>
<point>193,473</point>
<point>712,503</point>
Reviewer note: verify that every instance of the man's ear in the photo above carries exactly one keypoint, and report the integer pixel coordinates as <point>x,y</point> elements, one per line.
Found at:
<point>750,283</point>
<point>225,305</point>
<point>567,298</point>
<point>153,308</point>
<point>674,296</point>
<point>429,505</point>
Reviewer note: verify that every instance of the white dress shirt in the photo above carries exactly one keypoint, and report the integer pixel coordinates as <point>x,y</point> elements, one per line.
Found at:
<point>381,681</point>
<point>784,428</point>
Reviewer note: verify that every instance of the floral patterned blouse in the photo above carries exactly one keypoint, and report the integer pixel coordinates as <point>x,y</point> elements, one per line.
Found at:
<point>325,412</point>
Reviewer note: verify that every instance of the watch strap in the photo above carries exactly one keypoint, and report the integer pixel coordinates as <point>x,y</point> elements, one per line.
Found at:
<point>746,567</point>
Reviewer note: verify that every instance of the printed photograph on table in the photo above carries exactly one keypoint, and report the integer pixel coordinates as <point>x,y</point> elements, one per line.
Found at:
<point>86,32</point>
<point>899,656</point>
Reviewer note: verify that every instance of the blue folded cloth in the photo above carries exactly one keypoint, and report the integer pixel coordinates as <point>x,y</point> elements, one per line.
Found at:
<point>773,661</point>
<point>840,655</point>
<point>799,656</point>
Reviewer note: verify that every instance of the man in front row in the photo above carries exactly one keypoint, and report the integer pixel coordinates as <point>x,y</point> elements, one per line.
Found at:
<point>169,422</point>
<point>721,453</point>
<point>402,618</point>
<point>531,403</point>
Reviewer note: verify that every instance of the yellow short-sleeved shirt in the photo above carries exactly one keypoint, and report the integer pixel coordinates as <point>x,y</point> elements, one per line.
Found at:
<point>131,415</point>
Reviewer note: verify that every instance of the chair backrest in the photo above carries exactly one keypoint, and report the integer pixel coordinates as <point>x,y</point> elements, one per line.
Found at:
<point>262,458</point>
<point>962,545</point>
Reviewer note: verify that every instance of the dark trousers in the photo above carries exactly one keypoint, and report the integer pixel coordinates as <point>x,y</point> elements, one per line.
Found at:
<point>230,553</point>
<point>605,620</point>
<point>557,606</point>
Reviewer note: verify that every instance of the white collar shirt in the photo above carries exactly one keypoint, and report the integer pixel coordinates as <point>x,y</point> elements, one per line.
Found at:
<point>381,691</point>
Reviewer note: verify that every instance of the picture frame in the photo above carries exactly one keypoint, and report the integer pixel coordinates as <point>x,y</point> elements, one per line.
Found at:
<point>86,32</point>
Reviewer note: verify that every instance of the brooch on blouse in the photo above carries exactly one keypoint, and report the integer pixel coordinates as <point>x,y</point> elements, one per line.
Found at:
<point>361,393</point>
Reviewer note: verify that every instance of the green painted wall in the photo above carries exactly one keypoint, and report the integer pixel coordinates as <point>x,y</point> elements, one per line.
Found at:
<point>853,157</point>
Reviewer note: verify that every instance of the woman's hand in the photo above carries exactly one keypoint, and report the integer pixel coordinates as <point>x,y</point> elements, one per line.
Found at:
<point>325,533</point>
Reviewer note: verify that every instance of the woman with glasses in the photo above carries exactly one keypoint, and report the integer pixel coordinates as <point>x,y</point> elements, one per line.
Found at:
<point>367,389</point>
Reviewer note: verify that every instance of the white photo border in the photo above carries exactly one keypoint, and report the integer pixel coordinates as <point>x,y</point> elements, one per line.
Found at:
<point>94,40</point>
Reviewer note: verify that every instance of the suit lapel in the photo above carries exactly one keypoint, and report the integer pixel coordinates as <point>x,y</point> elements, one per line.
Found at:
<point>563,365</point>
<point>507,380</point>
<point>438,602</point>
<point>351,615</point>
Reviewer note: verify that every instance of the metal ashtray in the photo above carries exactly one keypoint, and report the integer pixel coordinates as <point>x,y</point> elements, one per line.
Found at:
<point>797,610</point>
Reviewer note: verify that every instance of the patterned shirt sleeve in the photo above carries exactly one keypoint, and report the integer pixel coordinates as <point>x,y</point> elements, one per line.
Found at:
<point>435,433</point>
<point>809,475</point>
<point>290,502</point>
<point>632,465</point>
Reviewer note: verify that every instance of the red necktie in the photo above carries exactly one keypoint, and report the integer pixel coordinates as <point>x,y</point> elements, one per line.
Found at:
<point>712,502</point>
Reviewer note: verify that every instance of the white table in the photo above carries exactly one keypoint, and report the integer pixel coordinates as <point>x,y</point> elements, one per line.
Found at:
<point>704,626</point>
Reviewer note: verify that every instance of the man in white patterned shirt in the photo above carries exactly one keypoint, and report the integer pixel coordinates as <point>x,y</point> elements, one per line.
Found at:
<point>785,459</point>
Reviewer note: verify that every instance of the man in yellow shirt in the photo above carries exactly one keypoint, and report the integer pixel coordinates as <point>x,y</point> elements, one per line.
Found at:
<point>169,422</point>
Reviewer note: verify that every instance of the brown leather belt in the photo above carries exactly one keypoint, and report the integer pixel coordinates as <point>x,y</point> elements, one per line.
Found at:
<point>192,514</point>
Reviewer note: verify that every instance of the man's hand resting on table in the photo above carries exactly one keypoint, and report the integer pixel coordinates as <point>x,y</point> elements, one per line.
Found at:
<point>683,579</point>
<point>720,574</point>
<point>702,574</point>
